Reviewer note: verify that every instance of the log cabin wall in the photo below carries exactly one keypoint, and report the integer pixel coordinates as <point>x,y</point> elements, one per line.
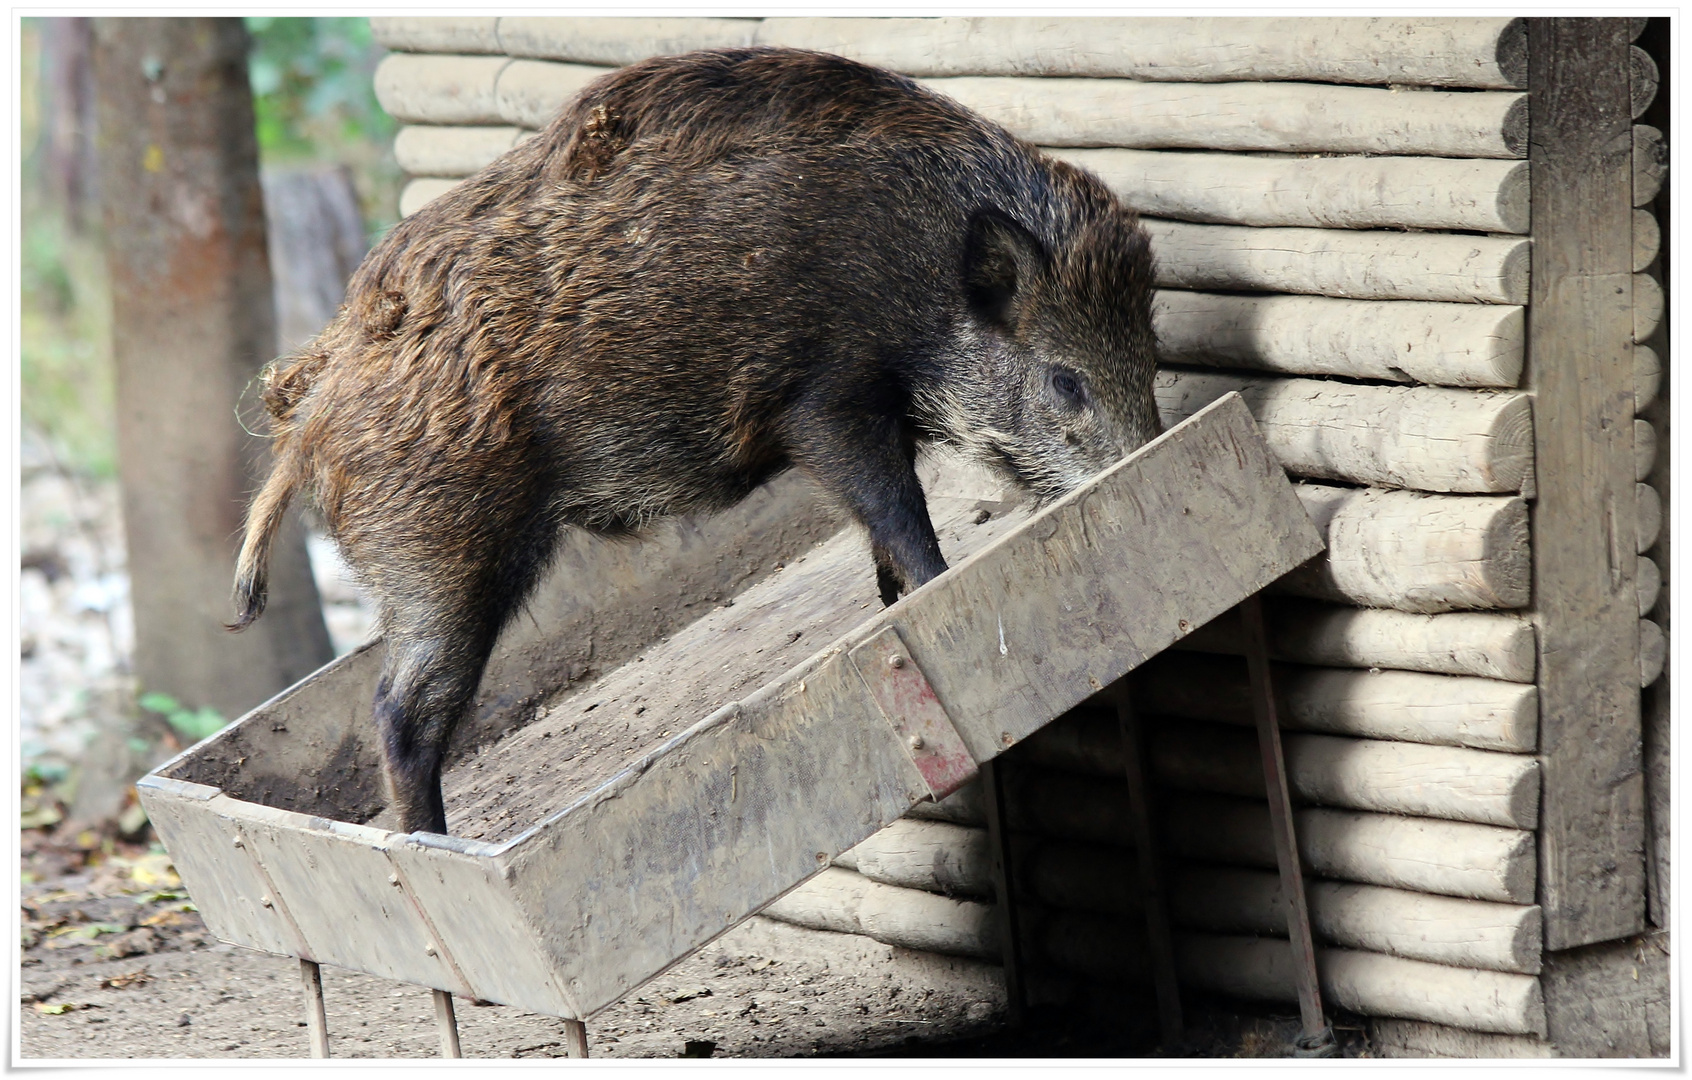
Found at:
<point>1448,357</point>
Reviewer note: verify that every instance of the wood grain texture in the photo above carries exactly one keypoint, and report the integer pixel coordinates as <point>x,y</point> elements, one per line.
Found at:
<point>1647,240</point>
<point>1450,858</point>
<point>1644,449</point>
<point>1481,53</point>
<point>420,192</point>
<point>1445,344</point>
<point>437,33</point>
<point>620,40</point>
<point>1586,599</point>
<point>1358,265</point>
<point>1650,584</point>
<point>1653,652</point>
<point>933,856</point>
<point>849,903</point>
<point>1415,552</point>
<point>1331,193</point>
<point>1642,78</point>
<point>1416,926</point>
<point>1446,710</point>
<point>1368,983</point>
<point>1650,163</point>
<point>1420,1039</point>
<point>433,89</point>
<point>1647,376</point>
<point>1493,646</point>
<point>451,150</point>
<point>1286,117</point>
<point>1445,782</point>
<point>1648,306</point>
<point>1423,437</point>
<point>531,92</point>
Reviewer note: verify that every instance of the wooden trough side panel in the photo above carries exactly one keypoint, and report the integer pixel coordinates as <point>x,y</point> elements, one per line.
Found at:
<point>464,897</point>
<point>1124,567</point>
<point>1580,369</point>
<point>715,824</point>
<point>1484,53</point>
<point>1294,117</point>
<point>1444,344</point>
<point>369,924</point>
<point>1422,437</point>
<point>226,885</point>
<point>1474,194</point>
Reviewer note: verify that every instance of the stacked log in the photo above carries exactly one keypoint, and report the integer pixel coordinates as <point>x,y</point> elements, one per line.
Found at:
<point>1340,212</point>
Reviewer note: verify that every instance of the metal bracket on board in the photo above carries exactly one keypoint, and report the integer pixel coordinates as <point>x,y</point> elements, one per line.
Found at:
<point>908,702</point>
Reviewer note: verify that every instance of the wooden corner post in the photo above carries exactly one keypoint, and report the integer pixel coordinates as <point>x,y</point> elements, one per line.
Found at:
<point>1580,369</point>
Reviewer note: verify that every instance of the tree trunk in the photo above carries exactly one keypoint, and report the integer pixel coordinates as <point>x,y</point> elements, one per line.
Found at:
<point>193,321</point>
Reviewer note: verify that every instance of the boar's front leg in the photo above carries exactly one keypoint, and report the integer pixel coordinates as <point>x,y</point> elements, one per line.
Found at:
<point>867,463</point>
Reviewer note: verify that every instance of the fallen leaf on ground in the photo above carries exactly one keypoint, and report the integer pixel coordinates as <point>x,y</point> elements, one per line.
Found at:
<point>138,977</point>
<point>57,1008</point>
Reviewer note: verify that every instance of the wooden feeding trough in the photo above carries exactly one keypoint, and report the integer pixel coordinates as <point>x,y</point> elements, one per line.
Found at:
<point>643,812</point>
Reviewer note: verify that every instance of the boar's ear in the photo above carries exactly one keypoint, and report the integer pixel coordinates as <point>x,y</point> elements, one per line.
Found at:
<point>1001,259</point>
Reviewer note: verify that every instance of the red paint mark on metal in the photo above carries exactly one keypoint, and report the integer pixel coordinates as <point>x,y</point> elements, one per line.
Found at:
<point>914,712</point>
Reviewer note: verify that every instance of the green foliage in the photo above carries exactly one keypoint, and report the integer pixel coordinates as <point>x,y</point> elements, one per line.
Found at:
<point>314,100</point>
<point>187,723</point>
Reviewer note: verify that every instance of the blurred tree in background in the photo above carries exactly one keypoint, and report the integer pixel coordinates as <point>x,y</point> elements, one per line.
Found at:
<point>314,102</point>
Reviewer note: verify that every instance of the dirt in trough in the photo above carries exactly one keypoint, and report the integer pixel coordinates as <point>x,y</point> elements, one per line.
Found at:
<point>584,741</point>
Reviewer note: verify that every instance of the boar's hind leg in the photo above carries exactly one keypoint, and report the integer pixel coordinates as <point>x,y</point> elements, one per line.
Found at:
<point>868,464</point>
<point>443,609</point>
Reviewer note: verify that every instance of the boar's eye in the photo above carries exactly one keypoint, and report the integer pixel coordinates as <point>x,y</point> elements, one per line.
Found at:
<point>1069,387</point>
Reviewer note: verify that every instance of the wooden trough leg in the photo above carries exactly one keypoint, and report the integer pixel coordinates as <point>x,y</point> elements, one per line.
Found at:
<point>1162,943</point>
<point>317,1022</point>
<point>575,1039</point>
<point>1317,1039</point>
<point>998,842</point>
<point>446,1022</point>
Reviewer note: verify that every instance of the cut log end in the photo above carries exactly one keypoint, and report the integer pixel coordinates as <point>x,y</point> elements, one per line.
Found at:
<point>1647,306</point>
<point>1512,53</point>
<point>1653,652</point>
<point>1647,240</point>
<point>1642,80</point>
<point>1649,510</point>
<point>1649,582</point>
<point>1647,376</point>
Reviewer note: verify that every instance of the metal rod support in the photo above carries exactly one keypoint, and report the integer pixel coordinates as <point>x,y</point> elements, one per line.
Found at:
<point>446,1022</point>
<point>1316,1029</point>
<point>575,1039</point>
<point>317,1022</point>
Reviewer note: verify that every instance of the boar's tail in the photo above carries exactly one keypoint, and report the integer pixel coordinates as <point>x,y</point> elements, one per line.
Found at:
<point>264,518</point>
<point>286,383</point>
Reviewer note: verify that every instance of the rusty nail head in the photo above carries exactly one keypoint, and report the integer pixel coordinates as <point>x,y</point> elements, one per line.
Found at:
<point>265,900</point>
<point>916,742</point>
<point>239,842</point>
<point>393,879</point>
<point>822,857</point>
<point>429,948</point>
<point>1005,738</point>
<point>896,660</point>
